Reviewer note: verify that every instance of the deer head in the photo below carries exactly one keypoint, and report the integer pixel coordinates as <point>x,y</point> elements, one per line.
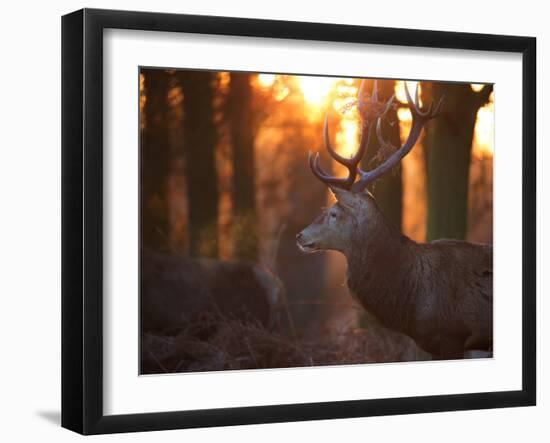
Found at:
<point>355,208</point>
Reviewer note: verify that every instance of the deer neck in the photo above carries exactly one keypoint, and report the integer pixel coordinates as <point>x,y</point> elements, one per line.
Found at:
<point>379,273</point>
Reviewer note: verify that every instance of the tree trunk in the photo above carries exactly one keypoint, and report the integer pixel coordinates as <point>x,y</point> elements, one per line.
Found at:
<point>388,190</point>
<point>155,160</point>
<point>243,190</point>
<point>303,199</point>
<point>448,144</point>
<point>200,137</point>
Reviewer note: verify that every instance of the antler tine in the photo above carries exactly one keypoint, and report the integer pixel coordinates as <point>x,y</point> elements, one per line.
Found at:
<point>420,118</point>
<point>430,112</point>
<point>438,107</point>
<point>361,93</point>
<point>374,96</point>
<point>414,106</point>
<point>388,104</point>
<point>386,145</point>
<point>348,162</point>
<point>322,175</point>
<point>328,145</point>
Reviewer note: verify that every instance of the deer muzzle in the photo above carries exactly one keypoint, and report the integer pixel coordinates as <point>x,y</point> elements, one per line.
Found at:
<point>305,244</point>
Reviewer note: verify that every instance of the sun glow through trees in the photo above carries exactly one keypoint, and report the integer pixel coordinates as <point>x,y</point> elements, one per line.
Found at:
<point>318,91</point>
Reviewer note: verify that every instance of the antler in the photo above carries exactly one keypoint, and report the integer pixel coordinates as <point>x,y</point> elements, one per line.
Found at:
<point>350,163</point>
<point>369,110</point>
<point>419,119</point>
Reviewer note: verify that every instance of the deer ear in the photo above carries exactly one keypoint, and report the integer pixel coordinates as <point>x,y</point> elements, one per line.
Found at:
<point>344,197</point>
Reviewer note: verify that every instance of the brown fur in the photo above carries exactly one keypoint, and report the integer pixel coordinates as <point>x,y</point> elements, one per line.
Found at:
<point>440,293</point>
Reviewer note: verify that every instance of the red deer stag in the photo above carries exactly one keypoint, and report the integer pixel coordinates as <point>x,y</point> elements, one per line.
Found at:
<point>440,293</point>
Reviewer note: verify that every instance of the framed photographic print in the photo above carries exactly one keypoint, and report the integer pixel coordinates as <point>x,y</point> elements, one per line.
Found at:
<point>271,221</point>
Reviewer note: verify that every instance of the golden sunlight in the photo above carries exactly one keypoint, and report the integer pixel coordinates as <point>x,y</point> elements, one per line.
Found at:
<point>400,90</point>
<point>281,93</point>
<point>346,138</point>
<point>316,89</point>
<point>476,87</point>
<point>266,80</point>
<point>484,129</point>
<point>346,144</point>
<point>404,114</point>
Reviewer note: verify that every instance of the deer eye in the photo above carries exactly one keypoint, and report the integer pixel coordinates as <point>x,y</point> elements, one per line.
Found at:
<point>333,215</point>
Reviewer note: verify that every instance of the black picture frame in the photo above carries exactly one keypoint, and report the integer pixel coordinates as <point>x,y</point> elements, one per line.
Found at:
<point>82,220</point>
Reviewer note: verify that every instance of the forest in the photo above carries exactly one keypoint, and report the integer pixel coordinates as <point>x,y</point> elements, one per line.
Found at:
<point>225,187</point>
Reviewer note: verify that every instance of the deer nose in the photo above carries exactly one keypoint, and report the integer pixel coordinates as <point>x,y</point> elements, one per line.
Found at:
<point>298,236</point>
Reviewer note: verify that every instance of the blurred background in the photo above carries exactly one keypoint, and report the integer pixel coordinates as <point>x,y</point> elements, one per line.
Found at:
<point>224,174</point>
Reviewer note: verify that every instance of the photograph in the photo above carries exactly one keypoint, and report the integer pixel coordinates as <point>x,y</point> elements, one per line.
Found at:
<point>294,220</point>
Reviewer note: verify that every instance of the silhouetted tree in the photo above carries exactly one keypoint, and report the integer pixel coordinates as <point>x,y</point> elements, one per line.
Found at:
<point>448,143</point>
<point>200,137</point>
<point>305,197</point>
<point>242,130</point>
<point>155,159</point>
